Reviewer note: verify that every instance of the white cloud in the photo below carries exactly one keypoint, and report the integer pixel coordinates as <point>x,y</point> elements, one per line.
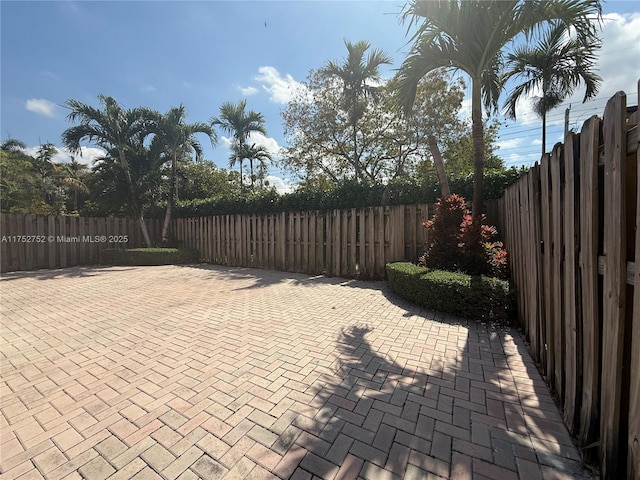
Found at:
<point>87,155</point>
<point>149,89</point>
<point>281,89</point>
<point>283,185</point>
<point>41,106</point>
<point>510,143</point>
<point>248,91</point>
<point>271,144</point>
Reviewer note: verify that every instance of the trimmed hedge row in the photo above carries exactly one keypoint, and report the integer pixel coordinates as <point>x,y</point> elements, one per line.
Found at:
<point>347,194</point>
<point>474,297</point>
<point>149,256</point>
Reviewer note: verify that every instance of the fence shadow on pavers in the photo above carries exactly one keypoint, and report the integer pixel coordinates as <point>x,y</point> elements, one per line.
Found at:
<point>71,272</point>
<point>468,407</point>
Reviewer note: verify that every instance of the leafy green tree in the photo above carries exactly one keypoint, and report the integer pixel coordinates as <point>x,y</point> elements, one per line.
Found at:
<point>473,36</point>
<point>360,78</point>
<point>458,153</point>
<point>556,65</point>
<point>176,138</point>
<point>112,128</point>
<point>20,185</point>
<point>390,144</point>
<point>236,121</point>
<point>205,180</point>
<point>433,123</point>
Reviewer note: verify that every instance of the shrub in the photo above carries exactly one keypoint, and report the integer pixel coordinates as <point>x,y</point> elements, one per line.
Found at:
<point>459,243</point>
<point>149,256</point>
<point>470,296</point>
<point>445,250</point>
<point>345,194</point>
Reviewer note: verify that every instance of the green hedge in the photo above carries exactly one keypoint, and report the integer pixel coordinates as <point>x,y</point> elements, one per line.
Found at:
<point>347,194</point>
<point>149,256</point>
<point>473,297</point>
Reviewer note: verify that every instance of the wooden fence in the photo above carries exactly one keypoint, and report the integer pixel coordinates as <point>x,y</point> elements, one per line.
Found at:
<point>572,228</point>
<point>346,243</point>
<point>31,242</point>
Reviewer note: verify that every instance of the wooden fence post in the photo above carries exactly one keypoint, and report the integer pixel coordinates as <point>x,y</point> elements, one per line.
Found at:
<point>588,263</point>
<point>571,326</point>
<point>614,284</point>
<point>633,463</point>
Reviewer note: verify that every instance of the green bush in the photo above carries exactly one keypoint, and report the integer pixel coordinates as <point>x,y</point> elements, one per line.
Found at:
<point>346,194</point>
<point>149,256</point>
<point>474,297</point>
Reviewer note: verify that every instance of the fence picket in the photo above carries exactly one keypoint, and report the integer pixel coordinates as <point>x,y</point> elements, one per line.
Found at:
<point>614,284</point>
<point>571,326</point>
<point>633,462</point>
<point>557,275</point>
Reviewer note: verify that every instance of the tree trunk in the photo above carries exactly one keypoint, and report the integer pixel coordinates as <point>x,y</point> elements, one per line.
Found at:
<point>477,204</point>
<point>355,152</point>
<point>170,198</point>
<point>545,88</point>
<point>439,164</point>
<point>251,168</point>
<point>544,133</point>
<point>134,199</point>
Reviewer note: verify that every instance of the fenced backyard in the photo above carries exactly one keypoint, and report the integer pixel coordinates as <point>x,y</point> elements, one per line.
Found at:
<point>347,243</point>
<point>32,242</point>
<point>572,229</point>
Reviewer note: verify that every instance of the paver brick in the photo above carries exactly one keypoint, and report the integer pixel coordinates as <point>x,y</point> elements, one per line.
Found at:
<point>247,382</point>
<point>97,469</point>
<point>319,466</point>
<point>368,453</point>
<point>207,467</point>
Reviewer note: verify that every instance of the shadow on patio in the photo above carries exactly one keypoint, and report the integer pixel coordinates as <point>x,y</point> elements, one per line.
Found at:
<point>468,404</point>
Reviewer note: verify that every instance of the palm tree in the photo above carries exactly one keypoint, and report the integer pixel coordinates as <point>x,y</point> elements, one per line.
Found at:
<point>12,145</point>
<point>359,77</point>
<point>472,36</point>
<point>235,121</point>
<point>253,153</point>
<point>177,139</point>
<point>111,127</point>
<point>72,178</point>
<point>556,66</point>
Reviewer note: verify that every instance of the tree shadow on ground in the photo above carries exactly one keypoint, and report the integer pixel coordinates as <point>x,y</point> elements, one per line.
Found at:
<point>69,272</point>
<point>264,278</point>
<point>466,408</point>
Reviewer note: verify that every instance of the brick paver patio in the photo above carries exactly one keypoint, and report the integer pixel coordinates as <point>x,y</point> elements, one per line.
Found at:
<point>209,372</point>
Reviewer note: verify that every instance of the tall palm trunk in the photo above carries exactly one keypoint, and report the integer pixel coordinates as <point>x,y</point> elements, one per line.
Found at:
<point>439,164</point>
<point>544,133</point>
<point>477,204</point>
<point>545,86</point>
<point>170,198</point>
<point>134,199</point>
<point>355,151</point>
<point>251,168</point>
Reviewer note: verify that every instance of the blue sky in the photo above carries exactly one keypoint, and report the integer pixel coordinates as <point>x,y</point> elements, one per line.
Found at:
<point>159,54</point>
